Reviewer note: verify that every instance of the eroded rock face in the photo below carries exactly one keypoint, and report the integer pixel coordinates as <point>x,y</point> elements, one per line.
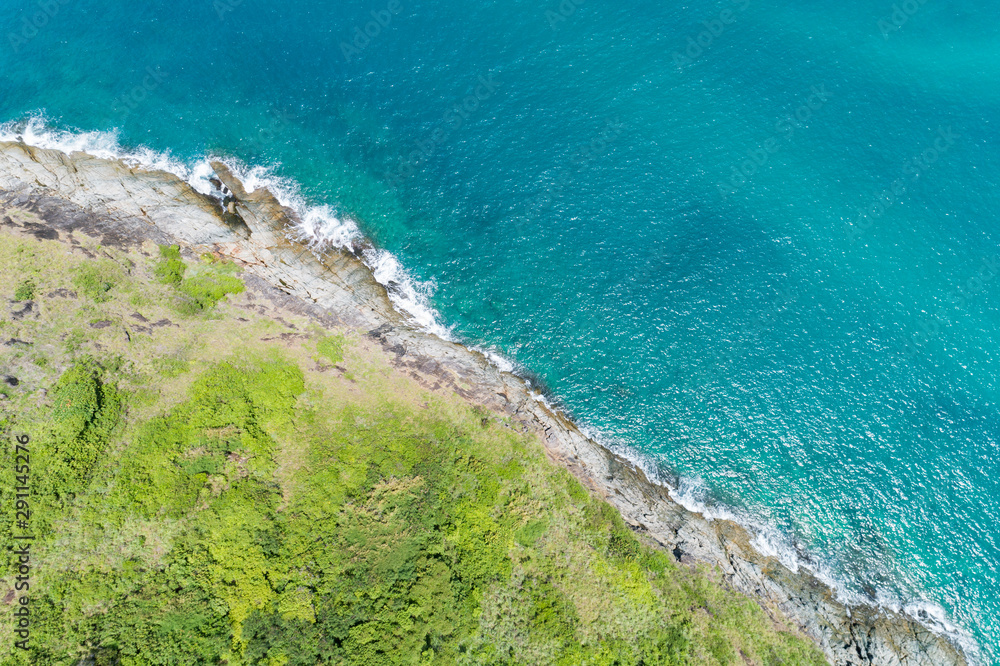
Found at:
<point>124,205</point>
<point>124,193</point>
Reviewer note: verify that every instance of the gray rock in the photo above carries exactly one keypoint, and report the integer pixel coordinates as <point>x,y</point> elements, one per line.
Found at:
<point>23,310</point>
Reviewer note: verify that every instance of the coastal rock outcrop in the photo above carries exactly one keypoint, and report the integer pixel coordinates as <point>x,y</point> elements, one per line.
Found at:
<point>127,205</point>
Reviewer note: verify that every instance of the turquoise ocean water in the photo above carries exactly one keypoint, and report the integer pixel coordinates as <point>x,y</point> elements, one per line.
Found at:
<point>754,245</point>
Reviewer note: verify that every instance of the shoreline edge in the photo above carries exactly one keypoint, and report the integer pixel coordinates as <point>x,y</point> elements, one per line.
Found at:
<point>125,204</point>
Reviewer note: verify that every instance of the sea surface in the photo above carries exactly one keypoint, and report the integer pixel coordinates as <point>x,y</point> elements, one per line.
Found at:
<point>753,245</point>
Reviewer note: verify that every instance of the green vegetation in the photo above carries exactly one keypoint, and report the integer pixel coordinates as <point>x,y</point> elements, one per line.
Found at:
<point>331,348</point>
<point>171,367</point>
<point>170,269</point>
<point>204,493</point>
<point>406,538</point>
<point>201,291</point>
<point>204,291</point>
<point>96,279</point>
<point>85,412</point>
<point>25,291</point>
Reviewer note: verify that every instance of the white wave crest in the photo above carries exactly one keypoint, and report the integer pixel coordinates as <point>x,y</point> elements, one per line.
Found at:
<point>410,296</point>
<point>936,619</point>
<point>693,494</point>
<point>321,227</point>
<point>319,224</point>
<point>36,131</point>
<point>499,360</point>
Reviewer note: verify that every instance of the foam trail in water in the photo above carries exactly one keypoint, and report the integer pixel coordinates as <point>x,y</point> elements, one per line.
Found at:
<point>323,230</point>
<point>319,225</point>
<point>499,360</point>
<point>407,294</point>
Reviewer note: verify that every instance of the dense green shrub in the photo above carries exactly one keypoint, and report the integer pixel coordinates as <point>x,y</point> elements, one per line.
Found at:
<point>170,269</point>
<point>25,291</point>
<point>206,290</point>
<point>331,348</point>
<point>85,413</point>
<point>401,537</point>
<point>202,291</point>
<point>172,458</point>
<point>96,279</point>
<point>75,400</point>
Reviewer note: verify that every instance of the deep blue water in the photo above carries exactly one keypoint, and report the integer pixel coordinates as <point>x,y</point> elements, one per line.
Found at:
<point>766,263</point>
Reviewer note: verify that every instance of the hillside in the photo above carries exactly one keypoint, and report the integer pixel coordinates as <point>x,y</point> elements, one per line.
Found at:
<point>218,477</point>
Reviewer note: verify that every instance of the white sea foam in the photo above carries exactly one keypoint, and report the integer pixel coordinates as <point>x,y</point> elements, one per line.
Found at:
<point>499,360</point>
<point>36,131</point>
<point>323,229</point>
<point>936,619</point>
<point>693,494</point>
<point>408,295</point>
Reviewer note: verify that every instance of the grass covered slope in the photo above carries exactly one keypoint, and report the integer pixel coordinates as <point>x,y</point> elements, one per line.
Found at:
<point>215,479</point>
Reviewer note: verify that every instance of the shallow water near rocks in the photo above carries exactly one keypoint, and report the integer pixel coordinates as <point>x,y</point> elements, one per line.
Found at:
<point>754,246</point>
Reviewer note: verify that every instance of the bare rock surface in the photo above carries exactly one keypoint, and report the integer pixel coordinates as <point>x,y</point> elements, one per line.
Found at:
<point>125,206</point>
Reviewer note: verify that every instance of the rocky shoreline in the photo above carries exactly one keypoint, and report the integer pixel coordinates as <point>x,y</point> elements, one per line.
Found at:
<point>124,206</point>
